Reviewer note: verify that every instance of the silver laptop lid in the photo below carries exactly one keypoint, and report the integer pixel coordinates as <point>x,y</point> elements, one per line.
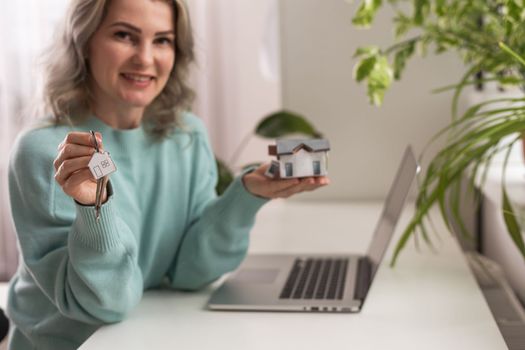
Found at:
<point>392,209</point>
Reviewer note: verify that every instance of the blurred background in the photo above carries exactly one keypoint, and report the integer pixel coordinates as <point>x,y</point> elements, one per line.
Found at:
<point>256,57</point>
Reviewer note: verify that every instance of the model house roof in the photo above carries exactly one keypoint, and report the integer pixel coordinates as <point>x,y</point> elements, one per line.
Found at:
<point>291,146</point>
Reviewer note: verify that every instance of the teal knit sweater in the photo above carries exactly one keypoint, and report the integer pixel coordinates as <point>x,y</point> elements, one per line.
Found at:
<point>163,225</point>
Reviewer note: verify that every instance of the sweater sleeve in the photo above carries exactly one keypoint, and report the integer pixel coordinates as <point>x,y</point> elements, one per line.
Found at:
<point>216,239</point>
<point>87,269</point>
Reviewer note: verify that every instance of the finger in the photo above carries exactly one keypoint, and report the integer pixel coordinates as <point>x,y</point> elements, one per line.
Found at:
<point>306,184</point>
<point>312,188</point>
<point>314,183</point>
<point>282,185</point>
<point>76,179</point>
<point>99,141</point>
<point>81,138</point>
<point>322,180</point>
<point>288,192</point>
<point>69,166</point>
<point>299,187</point>
<point>70,151</point>
<point>262,168</point>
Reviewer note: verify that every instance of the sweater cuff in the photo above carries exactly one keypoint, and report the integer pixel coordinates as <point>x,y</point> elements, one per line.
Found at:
<point>101,234</point>
<point>238,194</point>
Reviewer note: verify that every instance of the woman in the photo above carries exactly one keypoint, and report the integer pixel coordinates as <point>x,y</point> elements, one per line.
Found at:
<point>120,68</point>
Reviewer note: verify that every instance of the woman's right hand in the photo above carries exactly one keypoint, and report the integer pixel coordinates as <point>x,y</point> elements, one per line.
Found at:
<point>71,167</point>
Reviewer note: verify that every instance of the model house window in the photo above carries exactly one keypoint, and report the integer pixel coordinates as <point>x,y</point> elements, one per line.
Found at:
<point>317,167</point>
<point>274,168</point>
<point>289,169</point>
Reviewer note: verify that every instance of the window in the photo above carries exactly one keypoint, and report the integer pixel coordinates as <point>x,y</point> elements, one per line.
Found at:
<point>274,168</point>
<point>317,167</point>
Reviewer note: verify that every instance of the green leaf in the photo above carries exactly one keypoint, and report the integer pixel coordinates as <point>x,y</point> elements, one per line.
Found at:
<point>379,80</point>
<point>225,177</point>
<point>366,13</point>
<point>366,51</point>
<point>511,223</point>
<point>504,80</point>
<point>441,7</point>
<point>284,123</point>
<point>423,45</point>
<point>364,67</point>
<point>401,58</point>
<point>508,212</point>
<point>514,10</point>
<point>456,192</point>
<point>512,53</point>
<point>421,10</point>
<point>459,89</point>
<point>403,24</point>
<point>251,165</point>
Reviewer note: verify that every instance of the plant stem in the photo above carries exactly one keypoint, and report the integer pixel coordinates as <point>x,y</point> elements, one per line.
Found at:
<point>512,53</point>
<point>401,44</point>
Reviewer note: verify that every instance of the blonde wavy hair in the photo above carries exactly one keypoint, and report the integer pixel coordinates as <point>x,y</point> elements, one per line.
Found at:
<point>66,93</point>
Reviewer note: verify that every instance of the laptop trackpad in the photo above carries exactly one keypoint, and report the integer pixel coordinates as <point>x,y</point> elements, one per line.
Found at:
<point>257,275</point>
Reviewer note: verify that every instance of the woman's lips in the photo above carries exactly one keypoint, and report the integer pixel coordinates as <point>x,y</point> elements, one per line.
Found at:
<point>138,80</point>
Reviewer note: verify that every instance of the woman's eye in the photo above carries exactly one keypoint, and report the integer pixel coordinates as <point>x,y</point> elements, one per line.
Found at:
<point>123,36</point>
<point>164,41</point>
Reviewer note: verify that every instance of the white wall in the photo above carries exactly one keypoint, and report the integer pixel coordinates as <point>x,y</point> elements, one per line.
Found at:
<point>318,42</point>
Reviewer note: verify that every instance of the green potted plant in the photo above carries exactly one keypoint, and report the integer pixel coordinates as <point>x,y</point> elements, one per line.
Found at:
<point>489,36</point>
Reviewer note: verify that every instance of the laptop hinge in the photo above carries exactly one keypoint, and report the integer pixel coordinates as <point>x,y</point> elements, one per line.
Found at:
<point>364,270</point>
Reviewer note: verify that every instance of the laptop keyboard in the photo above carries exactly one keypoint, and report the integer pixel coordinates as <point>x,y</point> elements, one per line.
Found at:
<point>316,278</point>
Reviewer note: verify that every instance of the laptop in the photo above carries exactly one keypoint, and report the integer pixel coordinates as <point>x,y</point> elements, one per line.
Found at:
<point>313,282</point>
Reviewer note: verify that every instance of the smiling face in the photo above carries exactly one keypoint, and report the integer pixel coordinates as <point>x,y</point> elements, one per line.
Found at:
<point>131,54</point>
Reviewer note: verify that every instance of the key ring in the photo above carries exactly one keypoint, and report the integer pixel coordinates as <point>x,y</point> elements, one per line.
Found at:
<point>95,142</point>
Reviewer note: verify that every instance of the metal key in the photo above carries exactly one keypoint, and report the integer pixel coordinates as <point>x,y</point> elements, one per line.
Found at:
<point>101,183</point>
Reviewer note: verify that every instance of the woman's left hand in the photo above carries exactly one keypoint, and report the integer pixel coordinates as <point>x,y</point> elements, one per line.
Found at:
<point>260,185</point>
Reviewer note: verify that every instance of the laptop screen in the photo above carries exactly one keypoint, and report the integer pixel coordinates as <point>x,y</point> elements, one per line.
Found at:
<point>392,209</point>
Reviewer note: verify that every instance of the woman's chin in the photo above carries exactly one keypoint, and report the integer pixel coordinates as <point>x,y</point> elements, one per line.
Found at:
<point>137,102</point>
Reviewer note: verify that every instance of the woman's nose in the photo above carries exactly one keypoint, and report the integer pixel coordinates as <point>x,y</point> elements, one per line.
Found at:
<point>143,55</point>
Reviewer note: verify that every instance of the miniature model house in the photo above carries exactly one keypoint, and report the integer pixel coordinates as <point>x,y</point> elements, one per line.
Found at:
<point>299,158</point>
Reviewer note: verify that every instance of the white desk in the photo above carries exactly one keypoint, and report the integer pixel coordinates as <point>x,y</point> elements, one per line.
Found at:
<point>427,302</point>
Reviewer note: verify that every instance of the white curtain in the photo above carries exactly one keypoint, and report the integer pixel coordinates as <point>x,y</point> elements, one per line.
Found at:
<point>25,27</point>
<point>236,78</point>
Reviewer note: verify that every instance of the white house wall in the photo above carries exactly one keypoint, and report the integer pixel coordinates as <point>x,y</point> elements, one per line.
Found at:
<point>302,163</point>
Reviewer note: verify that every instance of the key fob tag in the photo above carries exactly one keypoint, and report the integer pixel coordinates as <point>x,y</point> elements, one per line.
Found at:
<point>101,165</point>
